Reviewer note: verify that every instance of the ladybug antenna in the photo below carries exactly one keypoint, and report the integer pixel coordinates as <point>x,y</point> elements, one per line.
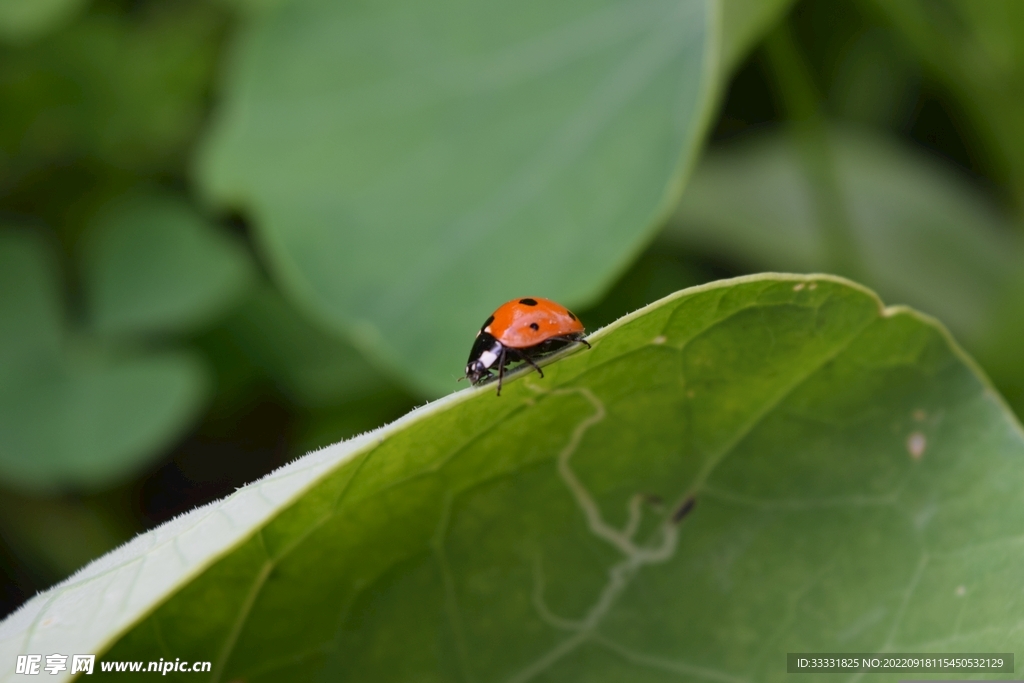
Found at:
<point>461,378</point>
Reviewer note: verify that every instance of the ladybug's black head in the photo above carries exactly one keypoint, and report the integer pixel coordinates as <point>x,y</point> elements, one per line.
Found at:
<point>485,354</point>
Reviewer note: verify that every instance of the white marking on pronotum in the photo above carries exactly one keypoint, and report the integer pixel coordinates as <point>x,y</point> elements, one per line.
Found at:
<point>488,358</point>
<point>916,443</point>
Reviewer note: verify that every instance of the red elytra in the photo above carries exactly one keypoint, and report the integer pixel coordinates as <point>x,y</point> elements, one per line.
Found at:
<point>522,323</point>
<point>524,330</point>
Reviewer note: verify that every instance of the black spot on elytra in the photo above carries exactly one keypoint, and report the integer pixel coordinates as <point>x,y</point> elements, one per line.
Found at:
<point>534,326</point>
<point>571,315</point>
<point>528,302</point>
<point>488,322</point>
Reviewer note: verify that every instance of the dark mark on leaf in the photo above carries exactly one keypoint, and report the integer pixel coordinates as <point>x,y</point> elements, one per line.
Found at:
<point>683,509</point>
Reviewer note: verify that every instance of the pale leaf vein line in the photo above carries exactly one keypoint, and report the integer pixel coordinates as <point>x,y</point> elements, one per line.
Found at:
<point>242,618</point>
<point>451,602</point>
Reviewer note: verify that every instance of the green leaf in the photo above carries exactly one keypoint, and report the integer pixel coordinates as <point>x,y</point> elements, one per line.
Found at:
<point>744,23</point>
<point>857,487</point>
<point>319,428</point>
<point>1000,352</point>
<point>31,319</point>
<point>340,392</point>
<point>661,270</point>
<point>876,82</point>
<point>975,49</point>
<point>152,264</point>
<point>73,414</point>
<point>88,423</point>
<point>22,20</point>
<point>252,7</point>
<point>312,366</point>
<point>410,165</point>
<point>128,90</point>
<point>925,237</point>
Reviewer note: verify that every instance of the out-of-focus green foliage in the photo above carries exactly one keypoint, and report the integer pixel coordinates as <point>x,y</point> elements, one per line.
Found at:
<point>56,536</point>
<point>923,235</point>
<point>127,91</point>
<point>977,50</point>
<point>74,413</point>
<point>312,366</point>
<point>30,305</point>
<point>152,264</point>
<point>742,24</point>
<point>23,20</point>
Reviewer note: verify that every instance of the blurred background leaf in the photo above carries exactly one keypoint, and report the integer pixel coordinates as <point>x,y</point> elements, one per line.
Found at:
<point>153,264</point>
<point>743,24</point>
<point>30,308</point>
<point>53,537</point>
<point>924,235</point>
<point>313,367</point>
<point>23,20</point>
<point>122,90</point>
<point>405,169</point>
<point>93,419</point>
<point>73,413</point>
<point>337,391</point>
<point>976,49</point>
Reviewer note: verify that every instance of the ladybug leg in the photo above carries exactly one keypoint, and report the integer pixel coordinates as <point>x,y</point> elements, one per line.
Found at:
<point>580,340</point>
<point>533,365</point>
<point>501,369</point>
<point>570,340</point>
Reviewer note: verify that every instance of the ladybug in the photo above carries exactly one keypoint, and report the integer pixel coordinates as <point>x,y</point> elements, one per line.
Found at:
<point>521,330</point>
